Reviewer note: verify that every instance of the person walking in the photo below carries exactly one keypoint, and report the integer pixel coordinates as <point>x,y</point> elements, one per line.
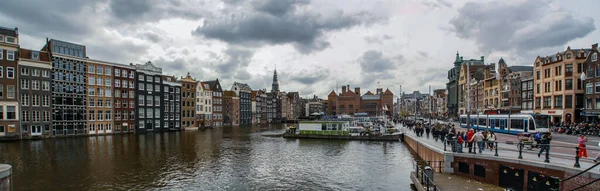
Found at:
<point>598,155</point>
<point>478,138</point>
<point>582,151</point>
<point>546,138</point>
<point>470,140</point>
<point>491,140</point>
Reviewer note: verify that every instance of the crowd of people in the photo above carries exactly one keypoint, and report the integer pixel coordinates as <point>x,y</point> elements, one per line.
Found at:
<point>582,128</point>
<point>449,135</point>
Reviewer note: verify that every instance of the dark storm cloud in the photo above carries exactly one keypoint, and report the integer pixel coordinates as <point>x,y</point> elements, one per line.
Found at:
<point>499,25</point>
<point>233,60</point>
<point>304,30</point>
<point>177,64</point>
<point>44,18</point>
<point>137,11</point>
<point>373,61</point>
<point>309,77</point>
<point>278,7</point>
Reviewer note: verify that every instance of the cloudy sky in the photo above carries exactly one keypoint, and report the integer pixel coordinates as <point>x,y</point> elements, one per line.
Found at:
<point>315,44</point>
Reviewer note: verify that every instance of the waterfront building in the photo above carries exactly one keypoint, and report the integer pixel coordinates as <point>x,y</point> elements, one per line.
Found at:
<point>511,86</point>
<point>217,98</point>
<point>313,107</point>
<point>271,107</point>
<point>100,97</point>
<point>347,102</point>
<point>204,105</point>
<point>255,108</point>
<point>439,102</point>
<point>476,74</point>
<point>124,77</point>
<point>559,91</point>
<point>69,65</point>
<point>10,127</point>
<point>261,105</point>
<point>231,108</point>
<point>34,90</point>
<point>171,103</point>
<point>453,96</point>
<point>188,102</point>
<point>244,92</point>
<point>283,106</point>
<point>592,95</point>
<point>293,100</point>
<point>149,94</point>
<point>527,94</point>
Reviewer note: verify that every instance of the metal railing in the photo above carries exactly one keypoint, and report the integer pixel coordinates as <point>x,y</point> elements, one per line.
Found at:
<point>426,182</point>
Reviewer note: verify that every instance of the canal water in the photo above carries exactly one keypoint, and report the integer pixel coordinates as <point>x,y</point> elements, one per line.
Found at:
<point>227,158</point>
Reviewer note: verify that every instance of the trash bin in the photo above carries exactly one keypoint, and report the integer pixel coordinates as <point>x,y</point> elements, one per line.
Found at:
<point>5,177</point>
<point>429,173</point>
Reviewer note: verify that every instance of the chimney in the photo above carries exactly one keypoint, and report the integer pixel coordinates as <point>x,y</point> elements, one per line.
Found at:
<point>357,90</point>
<point>348,87</point>
<point>343,89</point>
<point>595,46</point>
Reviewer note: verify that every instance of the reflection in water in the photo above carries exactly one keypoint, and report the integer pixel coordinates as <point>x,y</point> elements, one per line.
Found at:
<point>228,158</point>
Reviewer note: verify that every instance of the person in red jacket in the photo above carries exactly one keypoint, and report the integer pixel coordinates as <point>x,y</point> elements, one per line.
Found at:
<point>469,138</point>
<point>460,142</point>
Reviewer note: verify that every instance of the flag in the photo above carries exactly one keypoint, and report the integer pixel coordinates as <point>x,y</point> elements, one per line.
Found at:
<point>582,76</point>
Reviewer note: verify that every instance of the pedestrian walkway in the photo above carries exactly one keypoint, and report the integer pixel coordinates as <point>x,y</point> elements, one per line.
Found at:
<point>511,152</point>
<point>452,182</point>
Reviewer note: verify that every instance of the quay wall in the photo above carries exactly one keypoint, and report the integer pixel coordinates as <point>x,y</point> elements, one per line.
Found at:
<point>507,172</point>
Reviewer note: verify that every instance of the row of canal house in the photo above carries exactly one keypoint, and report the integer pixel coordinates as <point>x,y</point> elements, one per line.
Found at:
<point>59,91</point>
<point>565,86</point>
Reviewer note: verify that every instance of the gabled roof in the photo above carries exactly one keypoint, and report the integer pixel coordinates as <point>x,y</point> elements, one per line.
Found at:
<point>332,94</point>
<point>242,86</point>
<point>215,85</point>
<point>388,92</point>
<point>368,93</point>
<point>203,87</point>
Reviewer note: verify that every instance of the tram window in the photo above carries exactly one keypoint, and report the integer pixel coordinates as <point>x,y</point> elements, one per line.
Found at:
<point>497,123</point>
<point>531,125</point>
<point>482,121</point>
<point>463,120</point>
<point>324,127</point>
<point>516,124</point>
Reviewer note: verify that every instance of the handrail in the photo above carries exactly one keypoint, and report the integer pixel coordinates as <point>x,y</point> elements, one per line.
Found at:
<point>424,179</point>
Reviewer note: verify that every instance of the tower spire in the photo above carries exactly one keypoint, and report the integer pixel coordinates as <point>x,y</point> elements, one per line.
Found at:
<point>275,85</point>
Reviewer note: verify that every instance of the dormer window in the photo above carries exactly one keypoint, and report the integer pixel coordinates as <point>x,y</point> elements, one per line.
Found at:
<point>11,40</point>
<point>594,57</point>
<point>35,55</point>
<point>568,55</point>
<point>582,54</point>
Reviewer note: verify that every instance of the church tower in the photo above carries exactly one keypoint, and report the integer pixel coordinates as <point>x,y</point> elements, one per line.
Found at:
<point>275,85</point>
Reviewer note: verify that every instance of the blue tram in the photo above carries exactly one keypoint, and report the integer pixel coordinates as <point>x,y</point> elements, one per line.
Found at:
<point>510,124</point>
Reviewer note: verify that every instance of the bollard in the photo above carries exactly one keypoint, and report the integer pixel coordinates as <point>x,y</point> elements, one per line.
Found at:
<point>496,149</point>
<point>547,154</point>
<point>576,158</point>
<point>520,150</point>
<point>5,177</point>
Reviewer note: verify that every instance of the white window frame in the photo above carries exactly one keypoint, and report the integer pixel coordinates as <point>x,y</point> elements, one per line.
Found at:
<point>91,80</point>
<point>117,83</point>
<point>46,86</point>
<point>8,70</point>
<point>117,72</point>
<point>107,71</point>
<point>1,67</point>
<point>10,55</point>
<point>45,73</point>
<point>35,84</point>
<point>594,57</point>
<point>99,81</point>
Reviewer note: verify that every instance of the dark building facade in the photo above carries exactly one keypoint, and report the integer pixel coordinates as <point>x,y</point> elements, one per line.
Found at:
<point>527,94</point>
<point>124,99</point>
<point>244,92</point>
<point>34,92</point>
<point>9,81</point>
<point>171,103</point>
<point>217,102</point>
<point>149,100</point>
<point>592,95</point>
<point>69,64</point>
<point>231,108</point>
